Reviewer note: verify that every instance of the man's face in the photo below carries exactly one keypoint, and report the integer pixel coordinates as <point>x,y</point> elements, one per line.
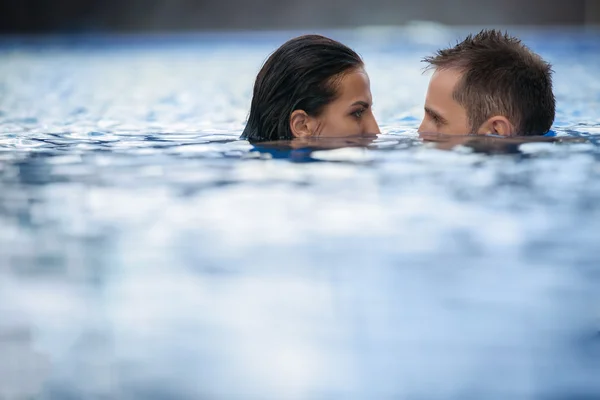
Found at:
<point>443,114</point>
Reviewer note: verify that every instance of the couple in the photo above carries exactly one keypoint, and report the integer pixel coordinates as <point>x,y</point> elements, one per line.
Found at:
<point>489,84</point>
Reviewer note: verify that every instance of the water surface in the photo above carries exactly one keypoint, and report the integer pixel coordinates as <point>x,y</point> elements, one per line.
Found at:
<point>148,253</point>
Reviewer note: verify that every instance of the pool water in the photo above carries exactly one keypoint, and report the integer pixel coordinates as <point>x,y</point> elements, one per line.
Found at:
<point>146,252</point>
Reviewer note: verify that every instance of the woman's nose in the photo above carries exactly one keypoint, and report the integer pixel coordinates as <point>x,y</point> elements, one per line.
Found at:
<point>372,126</point>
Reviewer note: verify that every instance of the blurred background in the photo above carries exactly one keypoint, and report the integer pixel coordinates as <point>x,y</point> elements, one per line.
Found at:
<point>66,16</point>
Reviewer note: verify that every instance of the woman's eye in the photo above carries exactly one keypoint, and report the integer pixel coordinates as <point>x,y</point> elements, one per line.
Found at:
<point>358,113</point>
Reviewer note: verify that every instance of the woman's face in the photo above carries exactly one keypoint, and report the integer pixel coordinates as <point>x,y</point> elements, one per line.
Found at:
<point>350,114</point>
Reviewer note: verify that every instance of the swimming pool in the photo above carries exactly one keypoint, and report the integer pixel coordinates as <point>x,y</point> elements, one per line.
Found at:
<point>148,253</point>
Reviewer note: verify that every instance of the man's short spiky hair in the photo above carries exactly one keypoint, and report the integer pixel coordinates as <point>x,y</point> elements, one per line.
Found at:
<point>501,76</point>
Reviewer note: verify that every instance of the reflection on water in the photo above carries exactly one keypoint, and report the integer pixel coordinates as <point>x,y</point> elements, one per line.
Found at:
<point>148,253</point>
<point>321,148</point>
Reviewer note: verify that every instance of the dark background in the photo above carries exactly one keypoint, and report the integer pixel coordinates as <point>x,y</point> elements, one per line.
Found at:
<point>65,16</point>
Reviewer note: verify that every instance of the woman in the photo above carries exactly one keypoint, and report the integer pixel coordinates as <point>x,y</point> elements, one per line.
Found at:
<point>312,86</point>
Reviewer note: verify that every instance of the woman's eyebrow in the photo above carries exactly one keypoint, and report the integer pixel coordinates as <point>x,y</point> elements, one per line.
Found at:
<point>361,103</point>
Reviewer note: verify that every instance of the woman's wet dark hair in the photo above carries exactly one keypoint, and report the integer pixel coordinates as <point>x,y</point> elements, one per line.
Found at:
<point>300,75</point>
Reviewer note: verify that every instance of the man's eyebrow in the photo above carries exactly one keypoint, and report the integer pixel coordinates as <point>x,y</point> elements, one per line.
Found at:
<point>435,115</point>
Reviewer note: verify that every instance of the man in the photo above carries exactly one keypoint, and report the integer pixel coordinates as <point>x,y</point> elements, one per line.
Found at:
<point>489,84</point>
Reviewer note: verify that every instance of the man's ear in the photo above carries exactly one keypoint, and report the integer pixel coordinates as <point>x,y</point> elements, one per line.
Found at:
<point>497,125</point>
<point>300,124</point>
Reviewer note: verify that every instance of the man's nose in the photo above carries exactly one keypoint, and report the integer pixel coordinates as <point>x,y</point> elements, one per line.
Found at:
<point>420,130</point>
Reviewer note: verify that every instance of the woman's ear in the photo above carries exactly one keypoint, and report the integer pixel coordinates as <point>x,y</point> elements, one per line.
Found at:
<point>497,125</point>
<point>300,124</point>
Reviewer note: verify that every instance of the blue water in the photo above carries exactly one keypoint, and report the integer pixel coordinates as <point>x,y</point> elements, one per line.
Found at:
<point>145,252</point>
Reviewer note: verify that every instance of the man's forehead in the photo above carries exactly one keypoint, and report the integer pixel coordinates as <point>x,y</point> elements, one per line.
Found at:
<point>439,101</point>
<point>445,79</point>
